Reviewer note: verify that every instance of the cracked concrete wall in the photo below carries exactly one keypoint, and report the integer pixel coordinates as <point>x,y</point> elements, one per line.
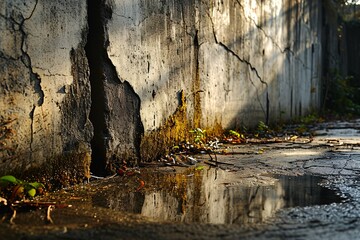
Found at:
<point>131,77</point>
<point>236,62</point>
<point>44,91</point>
<point>255,60</point>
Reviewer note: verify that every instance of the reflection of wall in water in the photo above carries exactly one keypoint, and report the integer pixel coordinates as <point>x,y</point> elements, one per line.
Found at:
<point>305,191</point>
<point>162,205</point>
<point>209,200</point>
<point>212,196</point>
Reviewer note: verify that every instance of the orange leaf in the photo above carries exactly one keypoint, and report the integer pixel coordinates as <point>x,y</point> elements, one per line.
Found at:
<point>142,184</point>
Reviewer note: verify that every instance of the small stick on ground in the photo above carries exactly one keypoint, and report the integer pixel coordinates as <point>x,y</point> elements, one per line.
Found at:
<point>210,164</point>
<point>224,163</point>
<point>3,200</point>
<point>13,216</point>
<point>211,158</point>
<point>48,217</point>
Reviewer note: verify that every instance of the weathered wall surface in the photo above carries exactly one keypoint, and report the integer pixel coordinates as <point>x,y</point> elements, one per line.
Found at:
<point>44,91</point>
<point>234,62</point>
<point>131,77</point>
<point>235,55</point>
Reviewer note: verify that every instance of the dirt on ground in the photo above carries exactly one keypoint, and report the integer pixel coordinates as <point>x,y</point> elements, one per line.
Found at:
<point>302,187</point>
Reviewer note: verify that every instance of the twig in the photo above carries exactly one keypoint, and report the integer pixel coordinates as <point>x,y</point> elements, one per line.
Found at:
<point>97,177</point>
<point>210,164</point>
<point>39,204</point>
<point>48,217</point>
<point>217,162</point>
<point>3,200</point>
<point>211,159</point>
<point>13,216</point>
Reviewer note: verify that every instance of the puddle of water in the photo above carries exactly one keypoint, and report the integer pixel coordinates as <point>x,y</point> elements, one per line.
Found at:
<point>305,191</point>
<point>215,196</point>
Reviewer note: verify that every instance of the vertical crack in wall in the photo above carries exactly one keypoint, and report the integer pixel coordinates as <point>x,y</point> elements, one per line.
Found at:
<point>196,83</point>
<point>94,51</point>
<point>26,60</point>
<point>18,21</point>
<point>31,115</point>
<point>251,67</point>
<point>112,99</point>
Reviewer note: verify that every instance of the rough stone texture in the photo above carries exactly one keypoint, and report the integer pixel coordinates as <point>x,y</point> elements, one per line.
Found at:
<point>44,89</point>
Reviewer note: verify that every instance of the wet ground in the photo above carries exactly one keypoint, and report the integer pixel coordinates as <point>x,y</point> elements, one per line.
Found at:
<point>300,189</point>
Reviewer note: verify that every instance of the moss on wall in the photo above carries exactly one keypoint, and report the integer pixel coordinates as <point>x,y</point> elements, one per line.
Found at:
<point>175,129</point>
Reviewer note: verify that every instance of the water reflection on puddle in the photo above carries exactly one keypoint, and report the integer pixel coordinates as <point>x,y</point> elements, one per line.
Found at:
<point>210,196</point>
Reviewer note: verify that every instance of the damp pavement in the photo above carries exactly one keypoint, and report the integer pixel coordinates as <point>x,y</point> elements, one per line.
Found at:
<point>304,188</point>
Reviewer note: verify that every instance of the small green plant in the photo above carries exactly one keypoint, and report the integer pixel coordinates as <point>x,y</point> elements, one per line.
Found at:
<point>199,135</point>
<point>262,127</point>
<point>302,128</point>
<point>19,188</point>
<point>236,134</point>
<point>342,93</point>
<point>311,119</point>
<point>234,137</point>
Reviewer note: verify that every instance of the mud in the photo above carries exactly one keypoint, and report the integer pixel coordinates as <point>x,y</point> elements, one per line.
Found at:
<point>305,188</point>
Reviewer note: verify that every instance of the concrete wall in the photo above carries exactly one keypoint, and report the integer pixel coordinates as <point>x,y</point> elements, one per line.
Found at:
<point>131,77</point>
<point>235,62</point>
<point>238,56</point>
<point>44,91</point>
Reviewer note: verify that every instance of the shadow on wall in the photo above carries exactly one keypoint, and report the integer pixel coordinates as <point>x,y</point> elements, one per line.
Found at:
<point>282,70</point>
<point>235,64</point>
<point>189,64</point>
<point>272,68</point>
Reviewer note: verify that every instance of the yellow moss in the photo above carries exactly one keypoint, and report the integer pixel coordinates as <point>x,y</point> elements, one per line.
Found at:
<point>215,131</point>
<point>175,129</point>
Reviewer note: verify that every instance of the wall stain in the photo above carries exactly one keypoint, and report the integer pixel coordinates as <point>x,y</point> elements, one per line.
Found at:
<point>175,129</point>
<point>196,84</point>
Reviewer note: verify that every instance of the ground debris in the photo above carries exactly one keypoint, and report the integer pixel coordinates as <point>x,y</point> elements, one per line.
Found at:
<point>232,177</point>
<point>30,205</point>
<point>3,201</point>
